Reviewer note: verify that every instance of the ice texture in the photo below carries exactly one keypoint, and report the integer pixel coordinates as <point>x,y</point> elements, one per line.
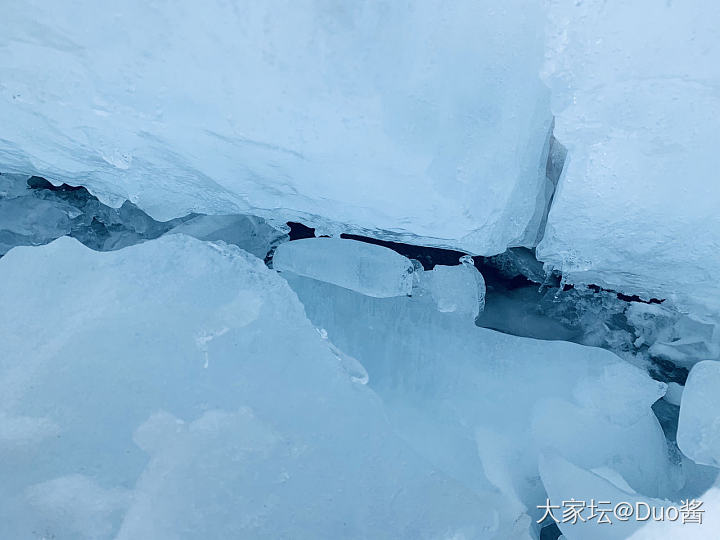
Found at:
<point>459,288</point>
<point>634,94</point>
<point>366,268</point>
<point>482,405</point>
<point>698,434</point>
<point>175,389</point>
<point>427,119</point>
<point>33,212</point>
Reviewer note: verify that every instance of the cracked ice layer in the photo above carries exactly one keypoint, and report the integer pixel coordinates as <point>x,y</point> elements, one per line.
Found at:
<point>175,389</point>
<point>482,406</point>
<point>425,120</point>
<point>639,111</point>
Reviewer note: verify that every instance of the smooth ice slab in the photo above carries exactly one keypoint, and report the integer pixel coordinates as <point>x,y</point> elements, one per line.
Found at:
<point>365,268</point>
<point>482,405</point>
<point>698,434</point>
<point>424,118</point>
<point>176,390</point>
<point>459,289</point>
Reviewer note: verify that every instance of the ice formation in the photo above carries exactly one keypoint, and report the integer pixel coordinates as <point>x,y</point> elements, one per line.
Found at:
<point>342,114</point>
<point>368,269</point>
<point>33,212</point>
<point>698,433</point>
<point>634,94</point>
<point>115,426</point>
<point>482,405</point>
<point>505,293</point>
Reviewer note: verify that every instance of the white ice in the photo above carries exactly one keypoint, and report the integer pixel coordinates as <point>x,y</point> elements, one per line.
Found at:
<point>634,94</point>
<point>426,119</point>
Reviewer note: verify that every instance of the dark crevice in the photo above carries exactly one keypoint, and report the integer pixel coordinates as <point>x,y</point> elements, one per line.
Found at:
<point>298,231</point>
<point>427,256</point>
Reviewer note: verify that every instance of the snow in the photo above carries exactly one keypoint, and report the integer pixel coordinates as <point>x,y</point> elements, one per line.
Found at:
<point>116,423</point>
<point>634,94</point>
<point>427,120</point>
<point>698,433</point>
<point>366,268</point>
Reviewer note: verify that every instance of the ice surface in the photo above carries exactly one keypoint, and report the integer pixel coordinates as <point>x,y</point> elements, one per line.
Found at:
<point>482,405</point>
<point>175,389</point>
<point>698,433</point>
<point>366,268</point>
<point>250,233</point>
<point>564,481</point>
<point>639,111</point>
<point>458,288</point>
<point>425,118</point>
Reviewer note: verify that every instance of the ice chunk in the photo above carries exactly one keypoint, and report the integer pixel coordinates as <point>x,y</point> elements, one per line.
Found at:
<point>366,268</point>
<point>482,405</point>
<point>565,481</point>
<point>459,289</point>
<point>323,113</point>
<point>636,207</point>
<point>251,233</point>
<point>674,393</point>
<point>698,433</point>
<point>128,431</point>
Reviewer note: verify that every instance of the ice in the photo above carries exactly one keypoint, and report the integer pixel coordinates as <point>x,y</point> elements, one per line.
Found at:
<point>564,481</point>
<point>423,119</point>
<point>33,211</point>
<point>698,433</point>
<point>459,289</point>
<point>482,405</point>
<point>366,268</point>
<point>636,206</point>
<point>250,233</point>
<point>118,421</point>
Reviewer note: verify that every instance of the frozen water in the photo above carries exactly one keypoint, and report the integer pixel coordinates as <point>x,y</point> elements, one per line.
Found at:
<point>330,112</point>
<point>698,433</point>
<point>459,289</point>
<point>482,405</point>
<point>564,481</point>
<point>366,268</point>
<point>175,389</point>
<point>639,111</point>
<point>250,233</point>
<point>33,212</point>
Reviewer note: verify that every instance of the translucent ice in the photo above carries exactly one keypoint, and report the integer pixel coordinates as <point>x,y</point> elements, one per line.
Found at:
<point>698,433</point>
<point>175,389</point>
<point>399,118</point>
<point>251,233</point>
<point>366,268</point>
<point>564,481</point>
<point>459,289</point>
<point>482,405</point>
